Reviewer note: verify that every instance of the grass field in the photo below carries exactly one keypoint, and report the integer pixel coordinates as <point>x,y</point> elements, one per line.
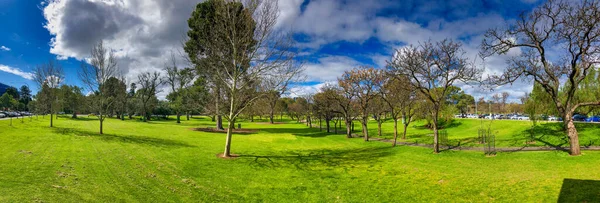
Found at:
<point>509,133</point>
<point>162,161</point>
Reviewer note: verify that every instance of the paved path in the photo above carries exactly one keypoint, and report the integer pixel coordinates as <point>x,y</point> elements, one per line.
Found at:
<point>499,149</point>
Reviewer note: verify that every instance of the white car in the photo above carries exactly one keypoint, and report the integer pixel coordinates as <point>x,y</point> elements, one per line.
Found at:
<point>2,115</point>
<point>554,118</point>
<point>514,117</point>
<point>524,118</point>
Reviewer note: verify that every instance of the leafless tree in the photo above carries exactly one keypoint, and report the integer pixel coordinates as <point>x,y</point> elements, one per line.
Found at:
<point>432,68</point>
<point>364,82</point>
<point>573,26</point>
<point>49,77</point>
<point>401,100</point>
<point>103,65</point>
<point>149,83</point>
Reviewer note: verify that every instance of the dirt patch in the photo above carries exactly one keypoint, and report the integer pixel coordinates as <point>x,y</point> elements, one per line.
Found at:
<point>231,156</point>
<point>235,131</point>
<point>269,123</point>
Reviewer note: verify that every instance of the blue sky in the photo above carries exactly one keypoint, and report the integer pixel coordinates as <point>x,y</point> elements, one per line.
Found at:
<point>333,36</point>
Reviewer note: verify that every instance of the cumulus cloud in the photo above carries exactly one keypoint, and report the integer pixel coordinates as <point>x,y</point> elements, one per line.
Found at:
<point>329,68</point>
<point>16,71</point>
<point>142,33</point>
<point>3,48</point>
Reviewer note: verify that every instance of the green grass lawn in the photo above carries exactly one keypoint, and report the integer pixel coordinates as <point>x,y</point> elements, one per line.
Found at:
<point>509,133</point>
<point>162,161</point>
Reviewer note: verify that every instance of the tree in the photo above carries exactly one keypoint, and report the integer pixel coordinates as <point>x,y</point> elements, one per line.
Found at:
<point>72,100</point>
<point>25,96</point>
<point>433,68</point>
<point>13,92</point>
<point>364,83</point>
<point>103,66</point>
<point>148,88</point>
<point>575,28</point>
<point>379,109</point>
<point>48,77</point>
<point>235,45</point>
<point>132,101</point>
<point>400,99</point>
<point>116,92</point>
<point>178,80</point>
<point>7,101</point>
<point>325,105</point>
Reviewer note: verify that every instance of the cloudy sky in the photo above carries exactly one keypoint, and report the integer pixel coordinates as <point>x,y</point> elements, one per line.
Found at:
<point>332,35</point>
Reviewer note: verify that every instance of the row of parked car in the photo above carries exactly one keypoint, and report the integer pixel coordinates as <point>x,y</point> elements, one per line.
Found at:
<point>576,117</point>
<point>6,114</point>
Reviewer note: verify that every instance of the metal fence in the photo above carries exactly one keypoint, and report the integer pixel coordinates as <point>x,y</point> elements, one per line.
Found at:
<point>443,135</point>
<point>488,139</point>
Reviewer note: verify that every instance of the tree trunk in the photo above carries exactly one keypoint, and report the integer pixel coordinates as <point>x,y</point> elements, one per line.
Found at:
<point>320,126</point>
<point>271,116</point>
<point>327,124</point>
<point>348,129</point>
<point>187,115</point>
<point>364,128</point>
<point>178,117</point>
<point>219,122</point>
<point>575,149</point>
<point>395,132</point>
<point>436,146</point>
<point>101,125</point>
<point>51,120</point>
<point>212,118</point>
<point>227,152</point>
<point>144,113</point>
<point>101,121</point>
<point>74,115</point>
<point>404,133</point>
<point>379,126</point>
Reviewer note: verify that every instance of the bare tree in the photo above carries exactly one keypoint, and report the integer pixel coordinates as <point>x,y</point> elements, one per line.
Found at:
<point>103,65</point>
<point>433,68</point>
<point>401,100</point>
<point>148,83</point>
<point>48,77</point>
<point>572,25</point>
<point>178,80</point>
<point>364,82</point>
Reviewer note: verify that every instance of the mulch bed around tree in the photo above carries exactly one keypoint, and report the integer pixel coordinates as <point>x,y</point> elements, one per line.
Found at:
<point>215,130</point>
<point>274,123</point>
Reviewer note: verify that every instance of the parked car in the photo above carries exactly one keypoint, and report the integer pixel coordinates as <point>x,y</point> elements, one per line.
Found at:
<point>514,117</point>
<point>2,115</point>
<point>554,118</point>
<point>579,117</point>
<point>523,117</point>
<point>593,119</point>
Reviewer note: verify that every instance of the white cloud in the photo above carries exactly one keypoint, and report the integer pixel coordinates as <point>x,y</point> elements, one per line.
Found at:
<point>141,32</point>
<point>16,71</point>
<point>329,68</point>
<point>3,48</point>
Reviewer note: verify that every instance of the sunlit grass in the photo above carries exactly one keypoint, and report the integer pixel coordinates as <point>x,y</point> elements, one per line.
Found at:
<point>162,161</point>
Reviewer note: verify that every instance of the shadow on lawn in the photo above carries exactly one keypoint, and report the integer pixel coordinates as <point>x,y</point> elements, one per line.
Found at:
<point>574,190</point>
<point>159,142</point>
<point>313,159</point>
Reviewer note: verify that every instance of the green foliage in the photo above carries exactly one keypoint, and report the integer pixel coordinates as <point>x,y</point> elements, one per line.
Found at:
<point>7,101</point>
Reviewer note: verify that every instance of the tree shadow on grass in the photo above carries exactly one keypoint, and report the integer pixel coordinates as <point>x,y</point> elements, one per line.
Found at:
<point>131,139</point>
<point>574,190</point>
<point>318,159</point>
